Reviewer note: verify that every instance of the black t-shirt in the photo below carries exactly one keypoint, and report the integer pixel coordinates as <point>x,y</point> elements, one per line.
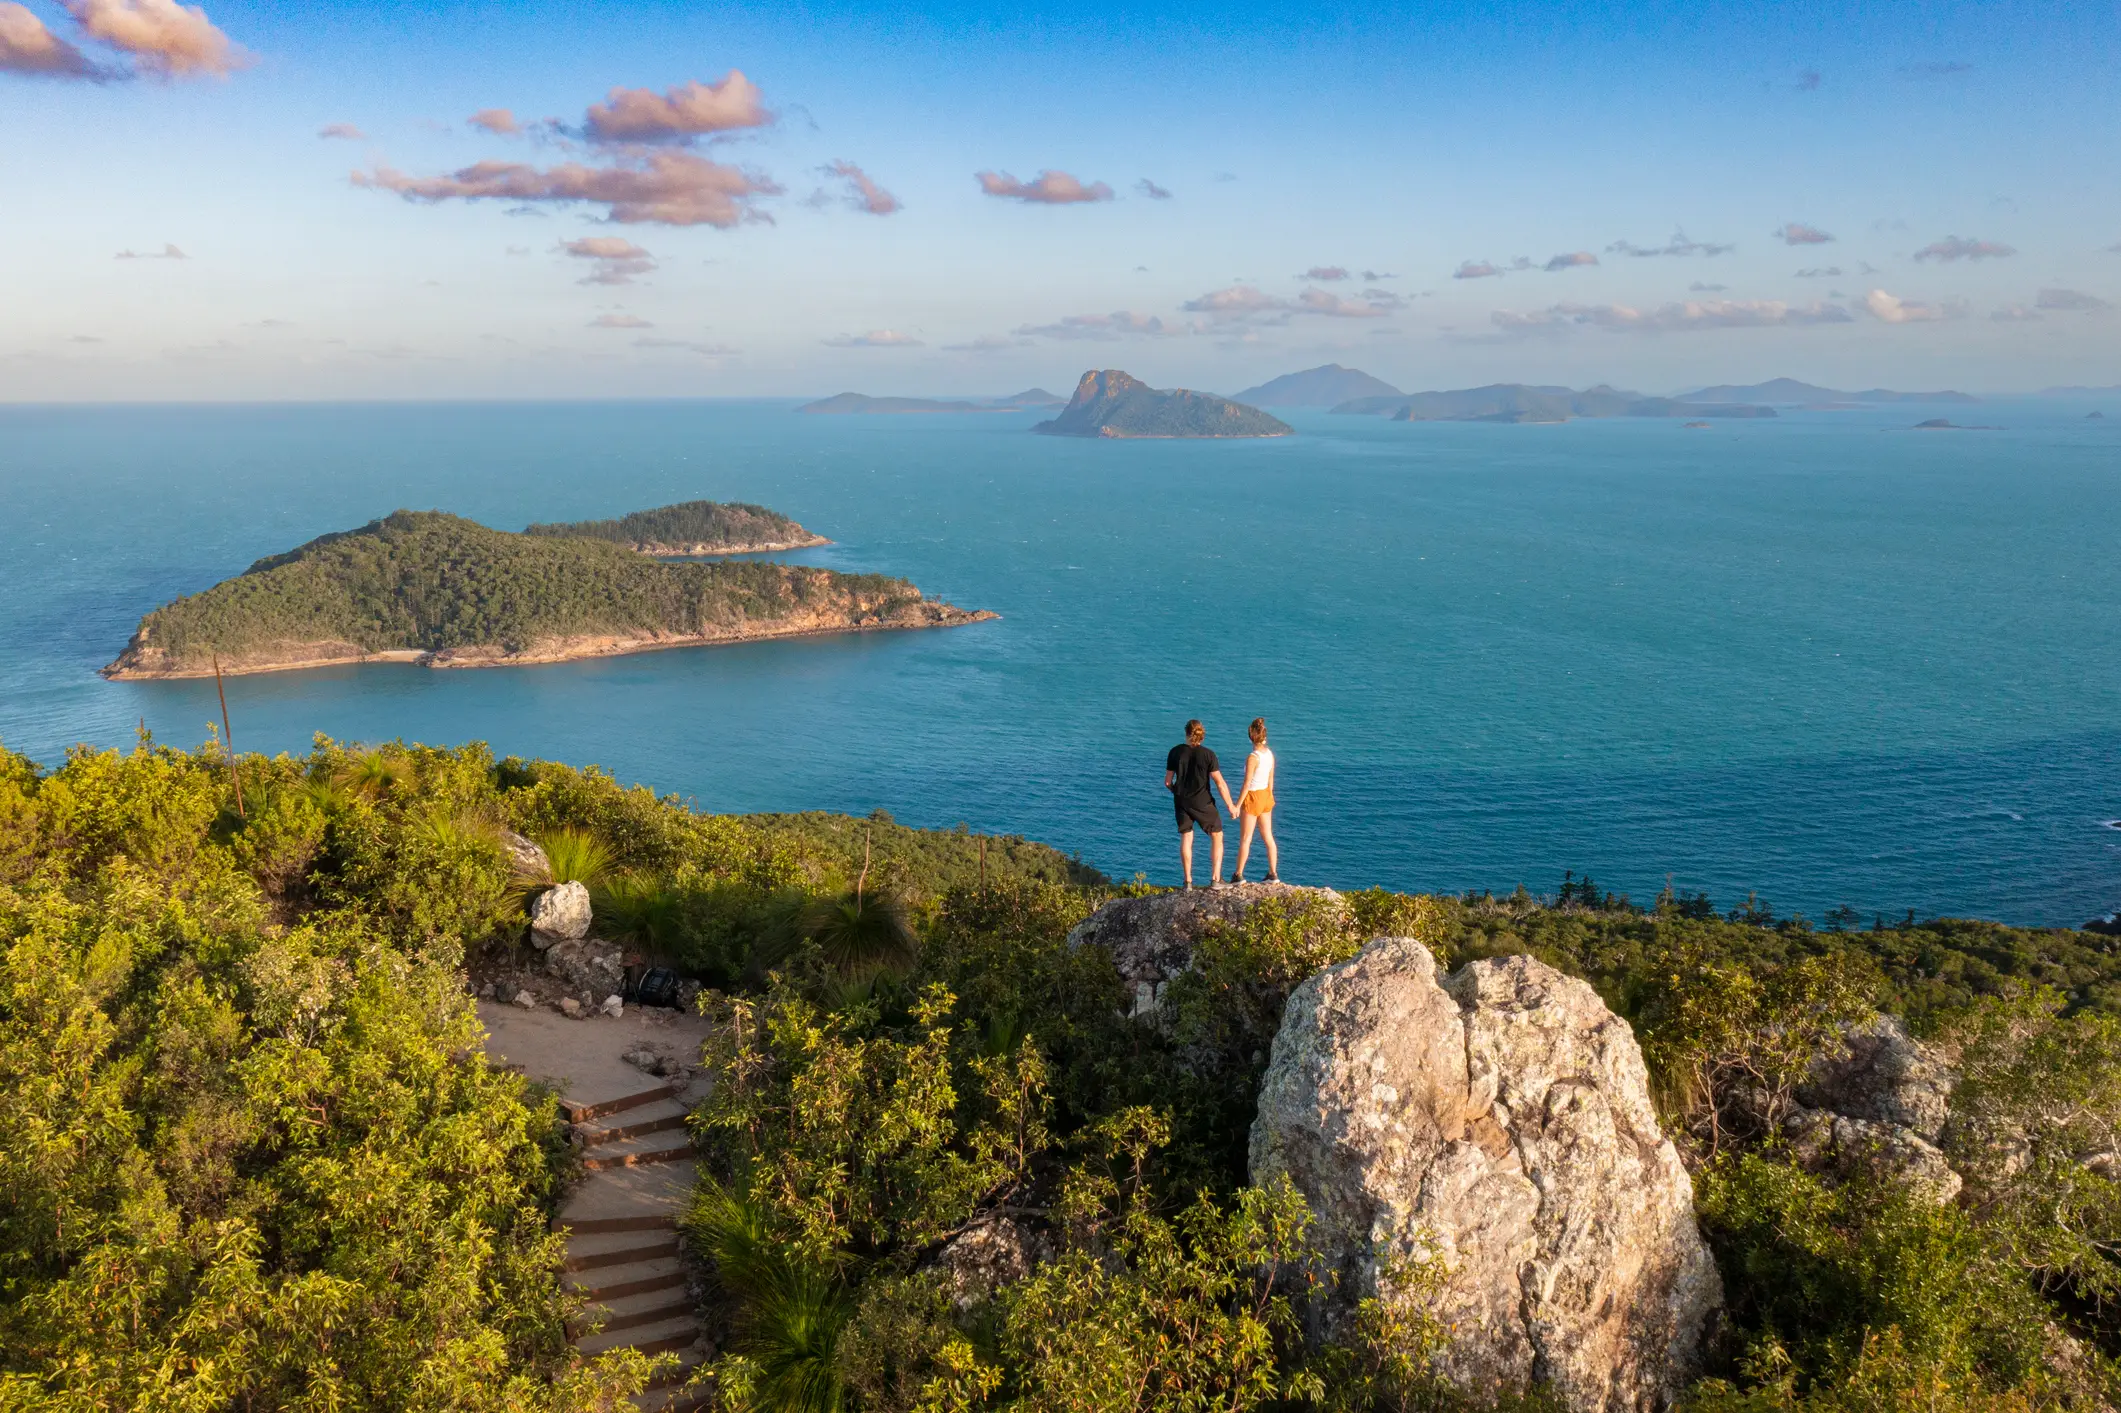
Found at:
<point>1192,765</point>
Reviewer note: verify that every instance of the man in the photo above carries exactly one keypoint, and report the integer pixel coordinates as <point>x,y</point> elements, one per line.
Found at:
<point>1188,772</point>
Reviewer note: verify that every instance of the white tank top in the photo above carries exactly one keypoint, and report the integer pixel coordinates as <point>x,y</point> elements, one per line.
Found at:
<point>1259,770</point>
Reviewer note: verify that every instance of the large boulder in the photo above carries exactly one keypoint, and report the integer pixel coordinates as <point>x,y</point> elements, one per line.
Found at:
<point>1151,939</point>
<point>1879,1073</point>
<point>1498,1119</point>
<point>560,914</point>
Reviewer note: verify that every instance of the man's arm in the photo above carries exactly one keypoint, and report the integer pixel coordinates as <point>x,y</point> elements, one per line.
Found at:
<point>1170,779</point>
<point>1224,786</point>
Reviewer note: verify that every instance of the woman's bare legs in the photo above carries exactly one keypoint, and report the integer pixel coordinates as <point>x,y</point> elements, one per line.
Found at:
<point>1266,833</point>
<point>1244,845</point>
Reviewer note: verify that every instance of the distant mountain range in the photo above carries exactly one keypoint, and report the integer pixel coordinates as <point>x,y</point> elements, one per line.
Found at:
<point>2081,392</point>
<point>851,404</point>
<point>1328,386</point>
<point>1790,392</point>
<point>1109,403</point>
<point>1517,402</point>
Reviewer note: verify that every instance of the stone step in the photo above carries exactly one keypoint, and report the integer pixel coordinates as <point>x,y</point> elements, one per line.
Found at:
<point>666,1392</point>
<point>623,1312</point>
<point>645,1198</point>
<point>581,1113</point>
<point>586,1253</point>
<point>632,1278</point>
<point>641,1119</point>
<point>675,1333</point>
<point>652,1148</point>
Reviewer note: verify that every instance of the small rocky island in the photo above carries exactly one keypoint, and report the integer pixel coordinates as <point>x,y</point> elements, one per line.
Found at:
<point>1109,403</point>
<point>435,589</point>
<point>694,529</point>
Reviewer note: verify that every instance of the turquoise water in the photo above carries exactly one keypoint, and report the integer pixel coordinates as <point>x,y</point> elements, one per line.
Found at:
<point>1824,658</point>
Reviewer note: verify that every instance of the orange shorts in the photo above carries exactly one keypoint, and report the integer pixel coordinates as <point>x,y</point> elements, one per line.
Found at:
<point>1256,802</point>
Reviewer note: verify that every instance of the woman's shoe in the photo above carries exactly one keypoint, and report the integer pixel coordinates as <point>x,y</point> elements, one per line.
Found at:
<point>1273,878</point>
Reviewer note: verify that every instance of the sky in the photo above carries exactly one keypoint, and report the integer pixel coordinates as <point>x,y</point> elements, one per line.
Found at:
<point>339,200</point>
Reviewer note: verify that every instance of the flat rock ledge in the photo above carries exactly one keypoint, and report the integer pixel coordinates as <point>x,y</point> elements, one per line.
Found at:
<point>1499,1119</point>
<point>1151,939</point>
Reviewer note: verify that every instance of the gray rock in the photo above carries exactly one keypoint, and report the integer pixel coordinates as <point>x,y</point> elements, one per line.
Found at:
<point>614,1006</point>
<point>570,1007</point>
<point>1151,939</point>
<point>560,914</point>
<point>688,993</point>
<point>587,966</point>
<point>1498,1119</point>
<point>995,1252</point>
<point>527,1001</point>
<point>525,856</point>
<point>1880,1074</point>
<point>1820,1139</point>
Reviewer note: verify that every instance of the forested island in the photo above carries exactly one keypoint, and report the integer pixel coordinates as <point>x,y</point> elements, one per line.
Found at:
<point>436,589</point>
<point>693,529</point>
<point>1110,403</point>
<point>982,1131</point>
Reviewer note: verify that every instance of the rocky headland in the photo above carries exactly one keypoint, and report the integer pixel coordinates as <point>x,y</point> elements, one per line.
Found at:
<point>1110,403</point>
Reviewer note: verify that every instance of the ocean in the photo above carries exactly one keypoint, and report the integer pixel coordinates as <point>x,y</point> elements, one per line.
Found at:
<point>1823,659</point>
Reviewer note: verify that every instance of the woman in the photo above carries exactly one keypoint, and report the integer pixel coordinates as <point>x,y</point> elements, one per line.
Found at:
<point>1255,807</point>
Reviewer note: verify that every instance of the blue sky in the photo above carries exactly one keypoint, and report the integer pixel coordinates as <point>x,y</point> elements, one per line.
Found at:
<point>1961,158</point>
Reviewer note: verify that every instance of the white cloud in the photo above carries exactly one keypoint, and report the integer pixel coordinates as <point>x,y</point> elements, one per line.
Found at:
<point>875,338</point>
<point>1679,317</point>
<point>1953,248</point>
<point>1103,328</point>
<point>1891,309</point>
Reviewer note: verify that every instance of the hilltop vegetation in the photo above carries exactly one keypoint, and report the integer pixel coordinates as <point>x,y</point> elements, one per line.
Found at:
<point>253,1159</point>
<point>693,527</point>
<point>424,584</point>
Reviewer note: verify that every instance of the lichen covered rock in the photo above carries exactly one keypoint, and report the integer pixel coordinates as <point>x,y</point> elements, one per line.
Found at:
<point>1498,1119</point>
<point>560,914</point>
<point>1151,939</point>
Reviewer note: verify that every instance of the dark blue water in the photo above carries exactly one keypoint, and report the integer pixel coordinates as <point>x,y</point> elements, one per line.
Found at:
<point>1825,658</point>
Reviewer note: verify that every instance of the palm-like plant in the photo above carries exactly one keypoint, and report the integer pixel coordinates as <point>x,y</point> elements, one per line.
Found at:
<point>790,1310</point>
<point>863,933</point>
<point>574,856</point>
<point>644,912</point>
<point>374,774</point>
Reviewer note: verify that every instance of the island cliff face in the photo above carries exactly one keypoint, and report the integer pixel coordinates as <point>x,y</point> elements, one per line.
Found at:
<point>1109,403</point>
<point>434,589</point>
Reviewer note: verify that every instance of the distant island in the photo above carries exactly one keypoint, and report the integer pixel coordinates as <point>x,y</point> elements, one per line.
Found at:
<point>432,588</point>
<point>1789,392</point>
<point>693,529</point>
<point>852,404</point>
<point>1944,424</point>
<point>1326,386</point>
<point>1109,403</point>
<point>1517,402</point>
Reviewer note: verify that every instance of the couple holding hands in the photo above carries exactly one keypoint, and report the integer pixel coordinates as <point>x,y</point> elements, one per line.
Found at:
<point>1191,769</point>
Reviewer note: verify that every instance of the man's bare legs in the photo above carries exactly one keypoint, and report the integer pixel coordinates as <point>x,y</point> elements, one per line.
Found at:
<point>1215,855</point>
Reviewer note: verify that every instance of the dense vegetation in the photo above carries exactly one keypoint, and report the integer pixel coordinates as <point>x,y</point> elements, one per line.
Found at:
<point>693,526</point>
<point>251,1158</point>
<point>428,581</point>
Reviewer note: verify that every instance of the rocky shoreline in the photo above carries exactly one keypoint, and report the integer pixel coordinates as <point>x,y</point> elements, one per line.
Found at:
<point>705,550</point>
<point>142,661</point>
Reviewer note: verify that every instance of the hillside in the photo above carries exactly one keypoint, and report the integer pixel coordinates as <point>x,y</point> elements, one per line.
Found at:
<point>1790,392</point>
<point>247,1093</point>
<point>1113,404</point>
<point>693,528</point>
<point>1516,402</point>
<point>432,588</point>
<point>1325,386</point>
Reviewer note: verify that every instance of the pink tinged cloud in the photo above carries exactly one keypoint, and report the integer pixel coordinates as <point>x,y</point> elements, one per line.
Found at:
<point>617,259</point>
<point>2070,299</point>
<point>27,47</point>
<point>863,194</point>
<point>1236,302</point>
<point>1326,273</point>
<point>1953,248</point>
<point>1475,270</point>
<point>657,188</point>
<point>1569,260</point>
<point>163,37</point>
<point>1679,317</point>
<point>875,338</point>
<point>683,113</point>
<point>1798,233</point>
<point>1891,309</point>
<point>342,130</point>
<point>1119,324</point>
<point>1051,188</point>
<point>1375,304</point>
<point>498,121</point>
<point>619,321</point>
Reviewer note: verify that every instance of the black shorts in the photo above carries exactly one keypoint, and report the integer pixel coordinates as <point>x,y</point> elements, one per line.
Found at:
<point>1204,811</point>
